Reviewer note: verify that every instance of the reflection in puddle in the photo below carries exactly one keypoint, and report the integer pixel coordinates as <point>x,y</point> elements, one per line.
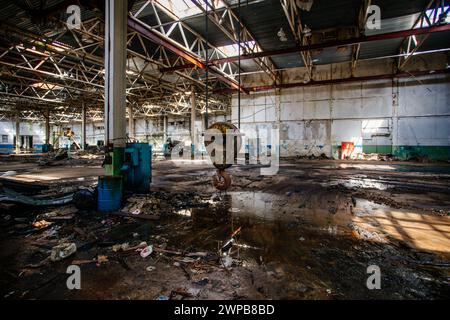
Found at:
<point>274,227</point>
<point>365,183</point>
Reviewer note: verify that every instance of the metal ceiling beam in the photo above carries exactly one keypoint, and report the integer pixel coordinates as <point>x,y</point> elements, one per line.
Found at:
<point>345,80</point>
<point>224,18</point>
<point>432,15</point>
<point>362,21</point>
<point>184,50</point>
<point>336,43</point>
<point>292,14</point>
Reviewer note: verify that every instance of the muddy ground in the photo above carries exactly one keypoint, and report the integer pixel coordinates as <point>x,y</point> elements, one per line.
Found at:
<point>308,232</point>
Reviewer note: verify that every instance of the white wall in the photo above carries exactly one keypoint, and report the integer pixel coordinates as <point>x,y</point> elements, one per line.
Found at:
<point>377,115</point>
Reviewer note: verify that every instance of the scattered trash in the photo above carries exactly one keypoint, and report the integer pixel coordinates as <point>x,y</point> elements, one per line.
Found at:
<point>201,282</point>
<point>193,292</point>
<point>53,158</point>
<point>41,224</point>
<point>121,247</point>
<point>101,259</point>
<point>65,213</point>
<point>150,268</point>
<point>227,261</point>
<point>227,246</point>
<point>366,234</point>
<point>146,251</point>
<point>15,197</point>
<point>162,297</point>
<point>62,251</point>
<point>176,264</point>
<point>197,254</point>
<point>187,260</point>
<point>301,239</point>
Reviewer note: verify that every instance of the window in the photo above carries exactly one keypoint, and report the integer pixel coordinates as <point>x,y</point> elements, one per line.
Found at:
<point>431,13</point>
<point>4,138</point>
<point>233,49</point>
<point>183,8</point>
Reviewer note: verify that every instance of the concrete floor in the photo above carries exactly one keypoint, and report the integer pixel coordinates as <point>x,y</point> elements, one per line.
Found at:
<point>308,232</point>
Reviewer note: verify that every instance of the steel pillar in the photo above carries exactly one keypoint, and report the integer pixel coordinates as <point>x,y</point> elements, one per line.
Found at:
<point>115,80</point>
<point>193,117</point>
<point>17,133</point>
<point>130,121</point>
<point>47,126</point>
<point>165,128</point>
<point>83,125</point>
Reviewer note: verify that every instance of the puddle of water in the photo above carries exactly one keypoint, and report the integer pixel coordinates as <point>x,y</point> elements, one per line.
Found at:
<point>364,183</point>
<point>296,233</point>
<point>274,227</point>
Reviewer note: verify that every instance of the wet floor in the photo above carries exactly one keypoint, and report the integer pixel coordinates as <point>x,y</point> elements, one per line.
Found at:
<point>309,232</point>
<point>318,245</point>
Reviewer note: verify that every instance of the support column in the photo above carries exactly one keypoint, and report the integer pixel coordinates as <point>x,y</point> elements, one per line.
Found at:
<point>115,58</point>
<point>83,126</point>
<point>165,128</point>
<point>47,126</point>
<point>130,121</point>
<point>17,133</point>
<point>193,135</point>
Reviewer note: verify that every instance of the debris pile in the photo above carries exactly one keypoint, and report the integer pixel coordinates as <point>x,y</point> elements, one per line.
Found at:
<point>61,157</point>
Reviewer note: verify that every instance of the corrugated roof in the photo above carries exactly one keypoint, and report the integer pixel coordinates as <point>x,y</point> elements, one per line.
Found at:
<point>264,18</point>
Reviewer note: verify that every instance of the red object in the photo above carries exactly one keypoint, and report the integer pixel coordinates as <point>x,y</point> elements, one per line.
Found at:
<point>347,149</point>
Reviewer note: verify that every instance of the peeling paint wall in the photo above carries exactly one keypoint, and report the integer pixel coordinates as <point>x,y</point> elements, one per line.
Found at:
<point>8,132</point>
<point>406,117</point>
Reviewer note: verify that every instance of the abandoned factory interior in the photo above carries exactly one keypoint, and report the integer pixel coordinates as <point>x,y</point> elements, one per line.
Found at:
<point>224,150</point>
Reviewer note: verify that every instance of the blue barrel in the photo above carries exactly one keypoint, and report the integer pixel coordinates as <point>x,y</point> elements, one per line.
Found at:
<point>109,193</point>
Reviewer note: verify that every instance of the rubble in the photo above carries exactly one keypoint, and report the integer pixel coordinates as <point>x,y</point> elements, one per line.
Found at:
<point>62,251</point>
<point>145,252</point>
<point>15,197</point>
<point>188,252</point>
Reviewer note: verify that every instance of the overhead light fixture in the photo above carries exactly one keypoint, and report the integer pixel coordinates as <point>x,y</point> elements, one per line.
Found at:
<point>282,35</point>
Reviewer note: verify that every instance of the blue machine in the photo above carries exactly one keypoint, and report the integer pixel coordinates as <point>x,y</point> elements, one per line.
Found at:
<point>137,167</point>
